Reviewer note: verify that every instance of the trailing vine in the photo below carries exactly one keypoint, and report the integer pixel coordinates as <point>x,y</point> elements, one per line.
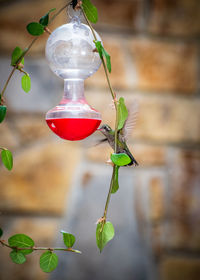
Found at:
<point>21,244</point>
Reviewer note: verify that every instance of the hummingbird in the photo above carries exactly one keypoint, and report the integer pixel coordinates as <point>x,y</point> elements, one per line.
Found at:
<point>123,134</point>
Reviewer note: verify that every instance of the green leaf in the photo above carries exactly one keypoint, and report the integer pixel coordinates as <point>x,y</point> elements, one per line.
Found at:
<point>107,56</point>
<point>120,159</point>
<point>122,113</point>
<point>102,52</point>
<point>68,238</point>
<point>3,110</point>
<point>45,19</point>
<point>26,83</point>
<point>35,28</point>
<point>48,261</point>
<point>21,241</point>
<point>104,233</point>
<point>99,48</point>
<point>17,257</point>
<point>90,11</point>
<point>7,158</point>
<point>16,56</point>
<point>114,181</point>
<point>1,232</point>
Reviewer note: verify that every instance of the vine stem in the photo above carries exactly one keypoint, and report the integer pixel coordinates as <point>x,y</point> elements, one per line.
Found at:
<point>109,194</point>
<point>28,48</point>
<point>59,11</point>
<point>8,80</point>
<point>116,119</point>
<point>39,248</point>
<point>103,61</point>
<point>15,67</point>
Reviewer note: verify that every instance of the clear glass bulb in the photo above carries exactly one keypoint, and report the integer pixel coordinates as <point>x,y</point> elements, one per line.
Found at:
<point>70,51</point>
<point>71,56</point>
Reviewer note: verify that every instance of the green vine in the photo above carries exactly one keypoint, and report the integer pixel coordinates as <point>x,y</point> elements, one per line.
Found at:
<point>21,244</point>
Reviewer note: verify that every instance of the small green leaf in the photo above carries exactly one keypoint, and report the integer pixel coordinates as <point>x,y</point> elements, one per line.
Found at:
<point>102,52</point>
<point>107,56</point>
<point>45,19</point>
<point>1,232</point>
<point>17,257</point>
<point>26,83</point>
<point>16,56</point>
<point>90,11</point>
<point>99,48</point>
<point>114,181</point>
<point>104,233</point>
<point>35,28</point>
<point>120,159</point>
<point>3,110</point>
<point>21,241</point>
<point>48,261</point>
<point>122,113</point>
<point>7,158</point>
<point>68,238</point>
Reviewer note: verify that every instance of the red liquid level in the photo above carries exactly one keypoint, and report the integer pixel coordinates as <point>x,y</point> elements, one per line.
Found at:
<point>73,129</point>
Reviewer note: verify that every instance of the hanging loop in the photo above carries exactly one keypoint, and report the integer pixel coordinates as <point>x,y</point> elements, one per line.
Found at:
<point>73,13</point>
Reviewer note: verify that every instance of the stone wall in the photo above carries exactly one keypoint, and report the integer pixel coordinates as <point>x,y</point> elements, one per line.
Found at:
<point>154,47</point>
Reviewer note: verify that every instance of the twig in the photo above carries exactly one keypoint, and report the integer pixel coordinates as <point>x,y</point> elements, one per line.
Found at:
<point>59,11</point>
<point>116,119</point>
<point>34,248</point>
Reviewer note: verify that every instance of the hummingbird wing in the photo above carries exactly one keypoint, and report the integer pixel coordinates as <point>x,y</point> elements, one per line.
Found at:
<point>130,121</point>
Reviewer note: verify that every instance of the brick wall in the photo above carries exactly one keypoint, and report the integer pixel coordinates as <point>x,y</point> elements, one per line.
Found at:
<point>154,46</point>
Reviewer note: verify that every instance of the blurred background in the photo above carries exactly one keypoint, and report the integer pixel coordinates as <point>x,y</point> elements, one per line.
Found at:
<point>57,184</point>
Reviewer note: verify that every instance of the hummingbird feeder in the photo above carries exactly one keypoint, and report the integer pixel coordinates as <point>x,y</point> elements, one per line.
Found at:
<point>71,56</point>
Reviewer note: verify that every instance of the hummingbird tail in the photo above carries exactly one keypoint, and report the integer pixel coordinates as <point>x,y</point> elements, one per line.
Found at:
<point>133,160</point>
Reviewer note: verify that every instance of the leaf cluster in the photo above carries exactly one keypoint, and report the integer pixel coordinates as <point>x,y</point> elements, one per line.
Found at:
<point>38,28</point>
<point>105,230</point>
<point>17,59</point>
<point>23,245</point>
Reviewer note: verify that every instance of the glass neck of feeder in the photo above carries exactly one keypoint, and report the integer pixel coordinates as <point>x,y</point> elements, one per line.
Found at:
<point>74,15</point>
<point>73,90</point>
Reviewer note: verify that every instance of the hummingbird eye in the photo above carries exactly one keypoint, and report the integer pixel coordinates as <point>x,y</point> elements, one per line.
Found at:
<point>107,128</point>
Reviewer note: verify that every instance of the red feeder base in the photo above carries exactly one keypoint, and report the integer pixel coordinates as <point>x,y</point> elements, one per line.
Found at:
<point>73,129</point>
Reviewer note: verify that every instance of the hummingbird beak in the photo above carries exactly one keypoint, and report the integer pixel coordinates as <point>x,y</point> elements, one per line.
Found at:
<point>99,129</point>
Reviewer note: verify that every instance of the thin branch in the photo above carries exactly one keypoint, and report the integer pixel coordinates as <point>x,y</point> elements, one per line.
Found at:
<point>38,248</point>
<point>59,11</point>
<point>8,80</point>
<point>116,119</point>
<point>22,71</point>
<point>4,243</point>
<point>109,193</point>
